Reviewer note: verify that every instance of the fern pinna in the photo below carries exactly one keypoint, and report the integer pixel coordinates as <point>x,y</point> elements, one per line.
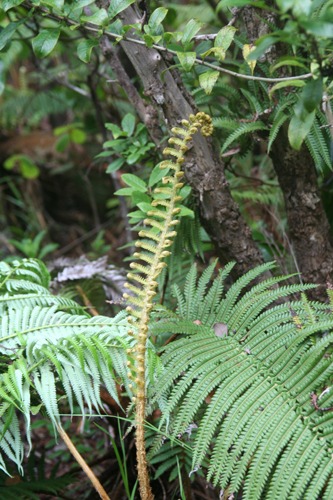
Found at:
<point>153,245</point>
<point>256,379</point>
<point>47,342</point>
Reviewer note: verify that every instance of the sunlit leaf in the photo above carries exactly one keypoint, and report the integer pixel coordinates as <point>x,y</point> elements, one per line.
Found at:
<point>191,29</point>
<point>187,59</point>
<point>157,17</point>
<point>207,80</point>
<point>298,7</point>
<point>225,37</point>
<point>247,49</point>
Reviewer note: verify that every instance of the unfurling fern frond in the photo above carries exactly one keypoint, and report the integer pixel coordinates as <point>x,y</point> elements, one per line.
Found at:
<point>250,378</point>
<point>153,249</point>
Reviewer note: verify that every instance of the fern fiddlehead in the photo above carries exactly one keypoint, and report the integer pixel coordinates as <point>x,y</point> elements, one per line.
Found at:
<point>152,250</point>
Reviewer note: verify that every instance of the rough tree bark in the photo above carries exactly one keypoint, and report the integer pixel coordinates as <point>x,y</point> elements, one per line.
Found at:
<point>205,170</point>
<point>308,227</point>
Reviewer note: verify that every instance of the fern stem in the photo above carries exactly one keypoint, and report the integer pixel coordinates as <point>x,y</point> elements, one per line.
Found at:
<point>159,237</point>
<point>83,464</point>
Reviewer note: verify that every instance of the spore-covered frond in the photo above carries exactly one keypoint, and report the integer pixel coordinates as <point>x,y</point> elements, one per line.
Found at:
<point>158,237</point>
<point>255,376</point>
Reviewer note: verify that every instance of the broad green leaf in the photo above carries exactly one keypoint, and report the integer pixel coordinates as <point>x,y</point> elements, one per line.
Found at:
<point>157,17</point>
<point>208,79</point>
<point>298,7</point>
<point>225,37</point>
<point>78,136</point>
<point>117,6</point>
<point>84,49</point>
<point>289,83</point>
<point>157,174</point>
<point>29,170</point>
<point>45,41</point>
<point>7,32</point>
<point>186,212</point>
<point>124,192</point>
<point>9,4</point>
<point>139,197</point>
<point>136,216</point>
<point>218,52</point>
<point>58,4</point>
<point>191,29</point>
<point>135,182</point>
<point>115,165</point>
<point>312,94</point>
<point>144,206</point>
<point>186,59</point>
<point>299,129</point>
<point>150,40</point>
<point>100,18</point>
<point>79,4</point>
<point>287,61</point>
<point>128,124</point>
<point>116,131</point>
<point>318,27</point>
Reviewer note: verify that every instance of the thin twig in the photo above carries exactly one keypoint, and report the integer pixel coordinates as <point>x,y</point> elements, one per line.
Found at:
<point>85,467</point>
<point>114,36</point>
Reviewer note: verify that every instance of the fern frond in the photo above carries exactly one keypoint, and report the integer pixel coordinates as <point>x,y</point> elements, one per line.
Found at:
<point>277,124</point>
<point>249,390</point>
<point>317,143</point>
<point>159,237</point>
<point>255,105</point>
<point>243,129</point>
<point>47,342</point>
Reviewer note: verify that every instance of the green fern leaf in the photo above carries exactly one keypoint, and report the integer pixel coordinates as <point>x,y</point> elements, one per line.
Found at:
<point>249,389</point>
<point>243,129</point>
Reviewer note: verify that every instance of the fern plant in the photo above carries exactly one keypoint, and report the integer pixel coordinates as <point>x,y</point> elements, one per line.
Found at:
<point>153,248</point>
<point>250,374</point>
<point>261,116</point>
<point>49,342</point>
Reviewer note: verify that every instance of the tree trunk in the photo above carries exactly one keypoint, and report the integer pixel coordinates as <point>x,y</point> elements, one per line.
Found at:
<point>308,227</point>
<point>205,170</point>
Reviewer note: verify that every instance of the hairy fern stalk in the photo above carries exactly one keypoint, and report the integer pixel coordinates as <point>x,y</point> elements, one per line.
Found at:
<point>153,249</point>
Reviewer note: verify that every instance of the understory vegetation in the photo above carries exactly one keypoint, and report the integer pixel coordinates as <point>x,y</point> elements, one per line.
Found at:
<point>166,260</point>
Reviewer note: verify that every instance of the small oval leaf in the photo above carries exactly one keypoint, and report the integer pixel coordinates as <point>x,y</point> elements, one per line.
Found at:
<point>45,41</point>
